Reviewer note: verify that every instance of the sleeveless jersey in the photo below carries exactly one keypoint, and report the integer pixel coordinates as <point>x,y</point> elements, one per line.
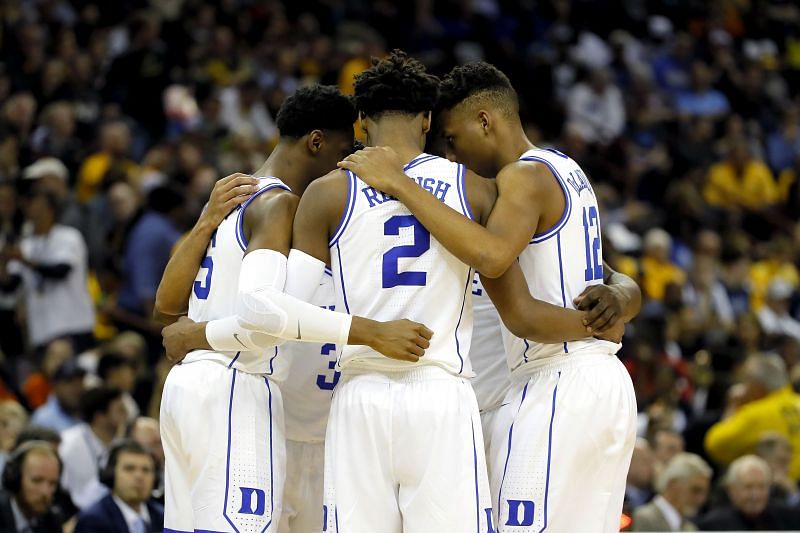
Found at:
<point>386,266</point>
<point>217,285</point>
<point>561,262</point>
<point>308,388</point>
<point>491,381</point>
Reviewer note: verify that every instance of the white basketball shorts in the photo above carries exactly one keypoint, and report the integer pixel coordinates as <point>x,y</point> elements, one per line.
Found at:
<point>302,493</point>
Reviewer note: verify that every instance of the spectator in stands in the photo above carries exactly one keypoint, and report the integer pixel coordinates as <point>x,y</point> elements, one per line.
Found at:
<point>11,220</point>
<point>13,418</point>
<point>38,385</point>
<point>51,175</point>
<point>130,475</point>
<point>596,109</point>
<point>30,481</point>
<point>62,408</point>
<point>667,443</point>
<point>118,371</point>
<point>702,100</point>
<point>656,270</point>
<point>774,316</point>
<point>747,483</point>
<point>783,145</point>
<point>768,404</point>
<point>776,450</point>
<point>146,431</point>
<point>51,265</point>
<point>639,487</point>
<point>682,488</point>
<point>705,293</point>
<point>110,163</point>
<point>740,181</point>
<point>84,448</point>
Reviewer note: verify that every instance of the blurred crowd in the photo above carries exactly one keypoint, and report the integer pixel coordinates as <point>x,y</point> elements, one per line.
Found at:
<point>116,119</point>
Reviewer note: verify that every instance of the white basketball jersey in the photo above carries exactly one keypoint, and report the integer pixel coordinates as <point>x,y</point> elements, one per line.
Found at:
<point>491,381</point>
<point>308,387</point>
<point>217,285</point>
<point>386,266</point>
<point>561,262</point>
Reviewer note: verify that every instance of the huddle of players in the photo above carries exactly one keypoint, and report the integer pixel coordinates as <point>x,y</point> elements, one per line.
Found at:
<point>404,448</point>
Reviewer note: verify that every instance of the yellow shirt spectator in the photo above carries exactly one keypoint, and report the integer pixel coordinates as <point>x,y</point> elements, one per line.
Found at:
<point>741,181</point>
<point>738,435</point>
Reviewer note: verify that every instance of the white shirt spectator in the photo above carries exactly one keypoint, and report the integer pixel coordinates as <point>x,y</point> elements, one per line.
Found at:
<point>83,455</point>
<point>778,324</point>
<point>599,117</point>
<point>62,306</point>
<point>134,520</point>
<point>254,121</point>
<point>671,515</point>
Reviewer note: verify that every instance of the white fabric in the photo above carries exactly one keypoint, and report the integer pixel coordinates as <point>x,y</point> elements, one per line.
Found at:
<point>83,454</point>
<point>774,324</point>
<point>304,273</point>
<point>215,293</point>
<point>563,441</point>
<point>671,515</point>
<point>56,307</point>
<point>134,519</point>
<point>561,262</point>
<point>302,495</point>
<point>487,353</point>
<point>223,437</point>
<point>386,266</point>
<point>403,453</point>
<point>230,335</point>
<point>598,117</point>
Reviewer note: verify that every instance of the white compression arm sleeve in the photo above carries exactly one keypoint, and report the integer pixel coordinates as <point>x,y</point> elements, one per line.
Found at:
<point>303,275</point>
<point>264,307</point>
<point>230,335</point>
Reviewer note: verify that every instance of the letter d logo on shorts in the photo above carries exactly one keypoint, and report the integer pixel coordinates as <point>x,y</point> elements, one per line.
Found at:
<point>514,518</point>
<point>247,501</point>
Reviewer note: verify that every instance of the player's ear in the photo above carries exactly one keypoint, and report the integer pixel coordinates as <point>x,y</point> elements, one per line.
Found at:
<point>485,119</point>
<point>362,122</point>
<point>314,141</point>
<point>427,121</point>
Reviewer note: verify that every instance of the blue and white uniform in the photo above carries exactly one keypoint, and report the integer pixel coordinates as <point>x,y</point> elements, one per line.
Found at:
<point>563,440</point>
<point>222,413</point>
<point>404,449</point>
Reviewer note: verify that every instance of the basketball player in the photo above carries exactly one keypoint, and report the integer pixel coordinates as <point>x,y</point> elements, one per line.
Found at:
<point>403,446</point>
<point>221,412</point>
<point>568,426</point>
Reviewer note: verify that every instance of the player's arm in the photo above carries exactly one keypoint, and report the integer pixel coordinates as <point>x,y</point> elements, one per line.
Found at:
<point>172,296</point>
<point>618,298</point>
<point>528,318</point>
<point>522,189</point>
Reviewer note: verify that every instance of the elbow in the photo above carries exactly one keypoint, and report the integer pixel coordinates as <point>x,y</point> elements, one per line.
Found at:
<point>165,314</point>
<point>493,263</point>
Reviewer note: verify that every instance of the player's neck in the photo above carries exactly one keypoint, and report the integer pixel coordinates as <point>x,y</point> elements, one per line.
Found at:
<point>282,164</point>
<point>516,144</point>
<point>406,144</point>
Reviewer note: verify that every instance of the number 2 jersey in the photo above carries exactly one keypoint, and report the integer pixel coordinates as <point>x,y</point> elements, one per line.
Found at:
<point>216,289</point>
<point>386,266</point>
<point>561,262</point>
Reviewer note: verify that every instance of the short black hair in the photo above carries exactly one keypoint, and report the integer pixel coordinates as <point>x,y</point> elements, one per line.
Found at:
<point>480,80</point>
<point>316,107</point>
<point>397,84</point>
<point>98,400</point>
<point>33,432</point>
<point>111,361</point>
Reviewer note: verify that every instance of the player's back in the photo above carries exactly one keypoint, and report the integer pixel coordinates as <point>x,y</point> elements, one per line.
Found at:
<point>216,286</point>
<point>387,266</point>
<point>561,262</point>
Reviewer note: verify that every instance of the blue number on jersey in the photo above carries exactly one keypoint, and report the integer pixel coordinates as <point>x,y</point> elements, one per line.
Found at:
<point>392,277</point>
<point>322,379</point>
<point>594,268</point>
<point>202,290</point>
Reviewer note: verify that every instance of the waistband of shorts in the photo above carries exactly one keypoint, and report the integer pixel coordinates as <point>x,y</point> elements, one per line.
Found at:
<point>558,363</point>
<point>401,375</point>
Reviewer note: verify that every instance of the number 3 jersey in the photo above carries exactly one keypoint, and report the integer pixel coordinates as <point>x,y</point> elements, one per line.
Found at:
<point>216,288</point>
<point>386,266</point>
<point>561,262</point>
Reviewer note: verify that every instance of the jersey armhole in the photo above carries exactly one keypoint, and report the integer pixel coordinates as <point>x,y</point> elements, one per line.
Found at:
<point>348,210</point>
<point>240,237</point>
<point>461,186</point>
<point>552,231</point>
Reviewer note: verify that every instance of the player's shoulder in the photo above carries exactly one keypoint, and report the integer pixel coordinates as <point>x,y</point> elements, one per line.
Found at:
<point>482,194</point>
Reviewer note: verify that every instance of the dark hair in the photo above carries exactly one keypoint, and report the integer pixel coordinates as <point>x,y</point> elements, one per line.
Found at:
<point>97,400</point>
<point>111,361</point>
<point>164,199</point>
<point>316,107</point>
<point>477,78</point>
<point>39,433</point>
<point>52,200</point>
<point>399,84</point>
<point>12,473</point>
<point>106,474</point>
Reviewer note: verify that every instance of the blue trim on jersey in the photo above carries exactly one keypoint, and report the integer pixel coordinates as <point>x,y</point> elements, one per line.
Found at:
<point>525,353</point>
<point>234,360</point>
<point>460,316</point>
<point>328,272</point>
<point>228,460</point>
<point>549,452</point>
<point>336,517</point>
<point>477,495</point>
<point>561,273</point>
<point>508,455</point>
<point>541,237</point>
<point>423,158</point>
<point>240,217</point>
<point>271,460</point>
<point>341,276</point>
<point>348,210</point>
<point>461,186</point>
<point>271,359</point>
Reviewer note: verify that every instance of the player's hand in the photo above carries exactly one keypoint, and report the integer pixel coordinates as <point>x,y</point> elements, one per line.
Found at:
<point>398,339</point>
<point>377,166</point>
<point>612,333</point>
<point>228,192</point>
<point>602,304</point>
<point>181,337</point>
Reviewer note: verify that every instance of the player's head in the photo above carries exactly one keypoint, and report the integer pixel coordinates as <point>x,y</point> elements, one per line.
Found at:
<point>319,118</point>
<point>476,102</point>
<point>397,87</point>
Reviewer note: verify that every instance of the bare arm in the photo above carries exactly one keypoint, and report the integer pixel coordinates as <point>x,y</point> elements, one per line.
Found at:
<point>172,297</point>
<point>619,298</point>
<point>523,188</point>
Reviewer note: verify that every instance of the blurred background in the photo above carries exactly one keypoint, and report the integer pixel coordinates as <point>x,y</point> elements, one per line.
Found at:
<point>116,119</point>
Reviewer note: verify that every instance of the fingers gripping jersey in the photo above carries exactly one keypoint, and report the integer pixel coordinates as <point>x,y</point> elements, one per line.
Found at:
<point>561,262</point>
<point>387,266</point>
<point>216,288</point>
